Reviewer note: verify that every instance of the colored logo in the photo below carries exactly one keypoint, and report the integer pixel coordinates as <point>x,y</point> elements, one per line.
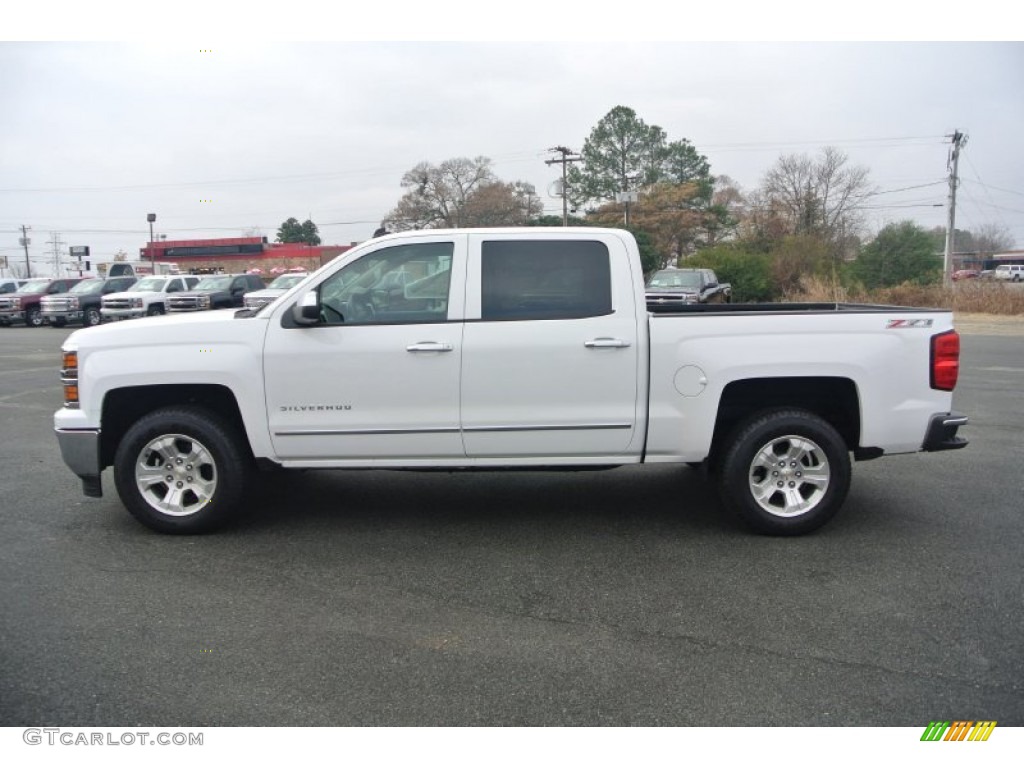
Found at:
<point>958,730</point>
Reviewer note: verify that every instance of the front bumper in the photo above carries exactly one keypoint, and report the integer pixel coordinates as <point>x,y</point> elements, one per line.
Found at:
<point>941,434</point>
<point>80,449</point>
<point>9,316</point>
<point>70,316</point>
<point>122,314</point>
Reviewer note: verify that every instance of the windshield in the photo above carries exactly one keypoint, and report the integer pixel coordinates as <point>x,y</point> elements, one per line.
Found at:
<point>672,279</point>
<point>34,286</point>
<point>286,281</point>
<point>88,286</point>
<point>221,283</point>
<point>149,284</point>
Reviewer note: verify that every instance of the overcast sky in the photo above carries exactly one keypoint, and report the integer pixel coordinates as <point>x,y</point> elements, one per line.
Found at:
<point>95,135</point>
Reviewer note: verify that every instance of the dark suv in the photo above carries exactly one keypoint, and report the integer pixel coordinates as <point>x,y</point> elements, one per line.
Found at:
<point>22,306</point>
<point>82,303</point>
<point>215,292</point>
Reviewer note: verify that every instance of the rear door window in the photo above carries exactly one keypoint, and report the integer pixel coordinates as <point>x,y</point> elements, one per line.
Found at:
<point>544,279</point>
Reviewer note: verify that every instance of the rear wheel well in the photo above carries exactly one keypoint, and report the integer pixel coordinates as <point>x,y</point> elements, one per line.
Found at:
<point>123,407</point>
<point>833,399</point>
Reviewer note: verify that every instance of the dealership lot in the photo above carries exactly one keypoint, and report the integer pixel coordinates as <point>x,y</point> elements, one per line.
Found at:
<point>614,598</point>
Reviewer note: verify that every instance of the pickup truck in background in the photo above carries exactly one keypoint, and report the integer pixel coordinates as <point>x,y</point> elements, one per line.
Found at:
<point>24,305</point>
<point>673,288</point>
<point>257,299</point>
<point>148,296</point>
<point>215,292</point>
<point>503,348</point>
<point>82,304</point>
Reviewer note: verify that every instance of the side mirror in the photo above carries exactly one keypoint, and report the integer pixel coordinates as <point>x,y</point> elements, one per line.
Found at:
<point>307,310</point>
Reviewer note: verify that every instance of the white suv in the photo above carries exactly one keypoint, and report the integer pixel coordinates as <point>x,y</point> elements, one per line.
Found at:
<point>146,297</point>
<point>1013,272</point>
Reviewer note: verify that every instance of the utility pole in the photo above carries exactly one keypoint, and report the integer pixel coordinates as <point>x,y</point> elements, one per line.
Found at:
<point>25,241</point>
<point>959,142</point>
<point>565,160</point>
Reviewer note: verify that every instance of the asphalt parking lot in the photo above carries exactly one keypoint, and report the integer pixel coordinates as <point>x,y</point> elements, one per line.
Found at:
<point>611,598</point>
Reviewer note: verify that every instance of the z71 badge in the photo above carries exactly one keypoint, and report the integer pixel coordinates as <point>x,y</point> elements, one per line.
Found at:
<point>909,323</point>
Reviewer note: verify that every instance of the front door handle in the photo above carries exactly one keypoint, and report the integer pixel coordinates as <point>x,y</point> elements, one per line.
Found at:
<point>429,346</point>
<point>606,343</point>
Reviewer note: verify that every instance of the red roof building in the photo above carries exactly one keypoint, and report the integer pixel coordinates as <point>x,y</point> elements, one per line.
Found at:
<point>239,254</point>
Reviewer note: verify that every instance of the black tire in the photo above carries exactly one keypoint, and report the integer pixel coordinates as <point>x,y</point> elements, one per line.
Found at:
<point>155,309</point>
<point>91,317</point>
<point>785,472</point>
<point>209,464</point>
<point>34,318</point>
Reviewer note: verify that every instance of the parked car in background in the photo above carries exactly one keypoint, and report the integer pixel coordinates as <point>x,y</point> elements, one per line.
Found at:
<point>83,302</point>
<point>255,300</point>
<point>215,292</point>
<point>147,297</point>
<point>966,274</point>
<point>23,306</point>
<point>11,284</point>
<point>672,288</point>
<point>1012,272</point>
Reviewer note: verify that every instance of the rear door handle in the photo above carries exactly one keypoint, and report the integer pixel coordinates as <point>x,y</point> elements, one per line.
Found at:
<point>606,343</point>
<point>429,346</point>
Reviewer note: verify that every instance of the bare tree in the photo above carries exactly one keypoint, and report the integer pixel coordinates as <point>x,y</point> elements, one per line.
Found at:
<point>436,195</point>
<point>819,196</point>
<point>461,193</point>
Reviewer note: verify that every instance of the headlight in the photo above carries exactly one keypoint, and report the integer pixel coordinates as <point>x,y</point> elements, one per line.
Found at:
<point>136,303</point>
<point>204,301</point>
<point>16,304</point>
<point>72,303</point>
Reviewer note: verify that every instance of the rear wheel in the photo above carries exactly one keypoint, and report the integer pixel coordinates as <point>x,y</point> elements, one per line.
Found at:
<point>181,470</point>
<point>785,472</point>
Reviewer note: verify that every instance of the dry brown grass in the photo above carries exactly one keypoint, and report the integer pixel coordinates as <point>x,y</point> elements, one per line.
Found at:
<point>982,296</point>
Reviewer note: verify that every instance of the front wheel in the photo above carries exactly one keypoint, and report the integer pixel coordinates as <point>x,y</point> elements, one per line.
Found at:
<point>785,472</point>
<point>155,309</point>
<point>181,470</point>
<point>92,317</point>
<point>34,318</point>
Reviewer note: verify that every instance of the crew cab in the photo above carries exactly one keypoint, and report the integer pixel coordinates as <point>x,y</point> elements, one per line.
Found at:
<point>672,288</point>
<point>83,302</point>
<point>503,348</point>
<point>215,292</point>
<point>147,297</point>
<point>23,306</point>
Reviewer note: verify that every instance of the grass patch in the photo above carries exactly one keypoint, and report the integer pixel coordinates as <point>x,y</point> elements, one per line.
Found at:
<point>983,296</point>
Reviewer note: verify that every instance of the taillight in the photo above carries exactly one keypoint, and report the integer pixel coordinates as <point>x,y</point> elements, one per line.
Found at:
<point>945,360</point>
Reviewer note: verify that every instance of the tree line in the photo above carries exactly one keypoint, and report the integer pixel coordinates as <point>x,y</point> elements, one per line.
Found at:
<point>805,219</point>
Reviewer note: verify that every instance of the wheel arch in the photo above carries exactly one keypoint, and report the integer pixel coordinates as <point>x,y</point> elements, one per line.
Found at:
<point>123,407</point>
<point>832,398</point>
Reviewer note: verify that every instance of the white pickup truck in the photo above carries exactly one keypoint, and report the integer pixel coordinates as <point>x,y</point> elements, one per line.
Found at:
<point>503,348</point>
<point>147,297</point>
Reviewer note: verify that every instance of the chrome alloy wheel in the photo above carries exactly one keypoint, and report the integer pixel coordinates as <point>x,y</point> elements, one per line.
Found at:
<point>176,475</point>
<point>789,476</point>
